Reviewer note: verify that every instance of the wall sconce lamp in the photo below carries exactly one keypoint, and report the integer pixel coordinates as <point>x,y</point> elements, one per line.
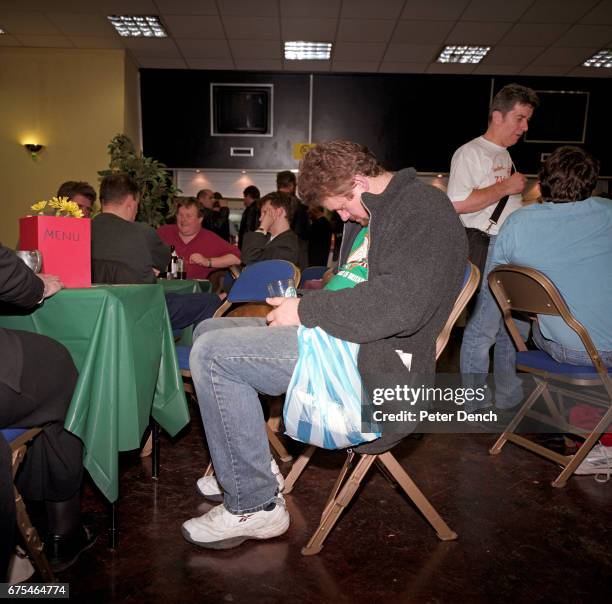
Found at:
<point>33,149</point>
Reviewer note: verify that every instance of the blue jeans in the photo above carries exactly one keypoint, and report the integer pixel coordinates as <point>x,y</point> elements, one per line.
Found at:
<point>561,354</point>
<point>486,328</point>
<point>233,359</point>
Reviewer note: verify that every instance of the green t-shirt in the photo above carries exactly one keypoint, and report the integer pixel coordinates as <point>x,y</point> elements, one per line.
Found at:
<point>355,270</point>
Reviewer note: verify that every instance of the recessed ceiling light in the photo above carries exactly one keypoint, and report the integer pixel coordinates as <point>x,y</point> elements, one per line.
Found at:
<point>138,26</point>
<point>300,51</point>
<point>463,54</point>
<point>603,58</point>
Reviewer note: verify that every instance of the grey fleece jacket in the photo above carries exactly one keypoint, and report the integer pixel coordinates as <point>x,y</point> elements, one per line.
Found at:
<point>416,262</point>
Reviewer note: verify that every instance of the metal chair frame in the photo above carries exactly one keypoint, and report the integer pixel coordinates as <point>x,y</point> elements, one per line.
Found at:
<point>528,291</point>
<point>31,539</point>
<point>346,484</point>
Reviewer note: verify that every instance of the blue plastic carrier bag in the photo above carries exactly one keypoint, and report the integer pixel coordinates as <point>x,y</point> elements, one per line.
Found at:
<point>324,398</point>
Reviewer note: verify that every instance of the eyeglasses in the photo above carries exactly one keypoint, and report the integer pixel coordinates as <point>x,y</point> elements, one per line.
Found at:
<point>86,210</point>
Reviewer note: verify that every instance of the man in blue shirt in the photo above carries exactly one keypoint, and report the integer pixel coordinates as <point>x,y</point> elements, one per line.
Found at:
<point>568,238</point>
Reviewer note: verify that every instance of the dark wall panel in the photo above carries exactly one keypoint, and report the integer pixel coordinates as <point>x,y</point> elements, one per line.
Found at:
<point>176,120</point>
<point>407,120</point>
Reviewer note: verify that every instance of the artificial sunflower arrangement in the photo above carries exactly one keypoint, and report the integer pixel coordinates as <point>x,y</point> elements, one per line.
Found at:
<point>57,206</point>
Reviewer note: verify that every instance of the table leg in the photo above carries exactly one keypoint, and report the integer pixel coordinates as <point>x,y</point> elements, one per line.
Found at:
<point>112,529</point>
<point>155,453</point>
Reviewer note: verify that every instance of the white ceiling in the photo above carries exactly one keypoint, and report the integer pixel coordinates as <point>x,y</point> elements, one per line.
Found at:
<point>529,37</point>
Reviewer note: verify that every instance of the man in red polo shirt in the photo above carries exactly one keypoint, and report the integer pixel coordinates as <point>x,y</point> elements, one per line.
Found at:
<point>202,250</point>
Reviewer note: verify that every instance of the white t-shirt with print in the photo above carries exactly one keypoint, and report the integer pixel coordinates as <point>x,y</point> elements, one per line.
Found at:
<point>476,165</point>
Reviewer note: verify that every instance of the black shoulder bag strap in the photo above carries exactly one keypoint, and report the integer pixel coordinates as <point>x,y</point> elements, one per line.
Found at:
<point>499,208</point>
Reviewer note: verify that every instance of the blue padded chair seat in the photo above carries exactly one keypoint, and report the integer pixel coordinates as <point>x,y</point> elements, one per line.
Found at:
<point>252,285</point>
<point>10,434</point>
<point>182,352</point>
<point>542,361</point>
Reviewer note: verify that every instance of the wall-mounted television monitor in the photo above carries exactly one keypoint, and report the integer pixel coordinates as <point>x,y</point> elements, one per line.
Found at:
<point>560,118</point>
<point>241,109</point>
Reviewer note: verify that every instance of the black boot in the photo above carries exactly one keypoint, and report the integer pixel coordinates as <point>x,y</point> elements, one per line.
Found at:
<point>67,537</point>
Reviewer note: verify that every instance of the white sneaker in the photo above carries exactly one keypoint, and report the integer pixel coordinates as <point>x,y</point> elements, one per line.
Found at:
<point>210,489</point>
<point>598,461</point>
<point>219,529</point>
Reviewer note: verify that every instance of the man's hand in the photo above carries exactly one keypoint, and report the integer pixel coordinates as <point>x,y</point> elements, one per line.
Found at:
<point>515,183</point>
<point>198,259</point>
<point>52,284</point>
<point>285,313</point>
<point>266,220</point>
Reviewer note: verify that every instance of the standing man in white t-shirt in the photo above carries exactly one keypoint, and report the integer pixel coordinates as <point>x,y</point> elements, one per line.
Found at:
<point>481,174</point>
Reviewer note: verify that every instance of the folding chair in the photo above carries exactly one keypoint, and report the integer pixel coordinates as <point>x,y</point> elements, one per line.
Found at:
<point>526,290</point>
<point>346,486</point>
<point>18,439</point>
<point>247,299</point>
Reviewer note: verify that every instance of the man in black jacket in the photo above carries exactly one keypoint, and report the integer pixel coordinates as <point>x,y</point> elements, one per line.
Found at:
<point>403,259</point>
<point>274,239</point>
<point>250,216</point>
<point>37,379</point>
<point>135,247</point>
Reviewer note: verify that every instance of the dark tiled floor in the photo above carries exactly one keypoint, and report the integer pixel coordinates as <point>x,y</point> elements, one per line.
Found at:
<point>520,539</point>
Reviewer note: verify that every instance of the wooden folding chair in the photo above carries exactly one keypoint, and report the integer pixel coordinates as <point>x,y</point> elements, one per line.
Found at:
<point>346,485</point>
<point>18,440</point>
<point>526,290</point>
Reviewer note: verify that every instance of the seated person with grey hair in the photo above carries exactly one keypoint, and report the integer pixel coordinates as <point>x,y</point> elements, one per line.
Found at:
<point>568,238</point>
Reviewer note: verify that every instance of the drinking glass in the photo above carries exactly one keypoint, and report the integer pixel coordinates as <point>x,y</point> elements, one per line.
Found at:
<point>284,288</point>
<point>32,259</point>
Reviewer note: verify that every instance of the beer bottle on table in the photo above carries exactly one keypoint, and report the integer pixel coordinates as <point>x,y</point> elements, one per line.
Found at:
<point>173,267</point>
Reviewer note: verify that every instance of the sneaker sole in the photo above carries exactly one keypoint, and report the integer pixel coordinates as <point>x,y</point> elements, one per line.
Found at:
<point>231,542</point>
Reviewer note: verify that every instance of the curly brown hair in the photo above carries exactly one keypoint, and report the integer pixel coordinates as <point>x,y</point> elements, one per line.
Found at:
<point>568,174</point>
<point>330,168</point>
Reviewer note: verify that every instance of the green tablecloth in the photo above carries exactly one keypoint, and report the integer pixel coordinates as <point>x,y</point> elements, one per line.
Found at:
<point>185,286</point>
<point>121,342</point>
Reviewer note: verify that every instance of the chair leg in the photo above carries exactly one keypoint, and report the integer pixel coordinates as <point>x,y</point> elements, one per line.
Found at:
<point>147,448</point>
<point>299,465</point>
<point>32,541</point>
<point>277,445</point>
<point>334,508</point>
<point>395,469</point>
<point>577,459</point>
<point>346,468</point>
<point>501,441</point>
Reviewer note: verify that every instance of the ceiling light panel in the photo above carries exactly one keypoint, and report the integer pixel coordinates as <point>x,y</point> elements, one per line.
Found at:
<point>307,51</point>
<point>463,54</point>
<point>603,58</point>
<point>138,26</point>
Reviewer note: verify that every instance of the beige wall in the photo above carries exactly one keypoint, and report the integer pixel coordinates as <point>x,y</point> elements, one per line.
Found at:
<point>71,101</point>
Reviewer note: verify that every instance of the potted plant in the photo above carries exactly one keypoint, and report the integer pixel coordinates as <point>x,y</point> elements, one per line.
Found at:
<point>152,177</point>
